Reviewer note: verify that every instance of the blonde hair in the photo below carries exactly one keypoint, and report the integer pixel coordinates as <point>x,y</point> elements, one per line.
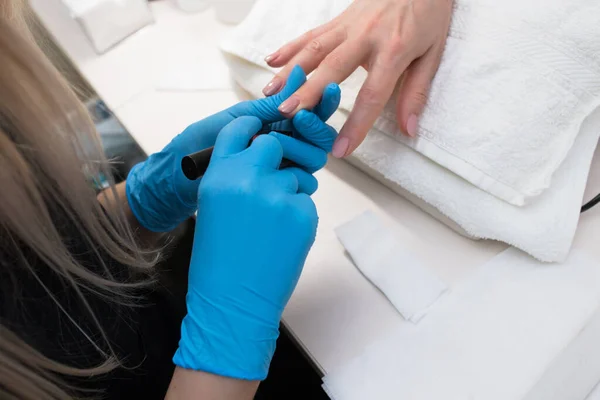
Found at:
<point>49,153</point>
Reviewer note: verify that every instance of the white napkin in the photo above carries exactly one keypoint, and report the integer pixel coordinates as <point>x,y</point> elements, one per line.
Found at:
<point>394,269</point>
<point>595,395</point>
<point>513,330</point>
<point>513,91</point>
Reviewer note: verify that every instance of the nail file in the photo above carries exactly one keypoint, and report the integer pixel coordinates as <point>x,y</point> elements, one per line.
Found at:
<point>195,165</point>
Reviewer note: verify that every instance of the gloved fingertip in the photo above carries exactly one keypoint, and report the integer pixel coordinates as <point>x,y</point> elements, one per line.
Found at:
<point>307,183</point>
<point>245,125</point>
<point>333,89</point>
<point>305,119</point>
<point>268,138</point>
<point>336,95</point>
<point>312,189</point>
<point>295,80</point>
<point>330,101</point>
<point>298,70</point>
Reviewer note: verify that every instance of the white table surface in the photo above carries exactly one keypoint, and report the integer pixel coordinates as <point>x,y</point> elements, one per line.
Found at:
<point>335,312</point>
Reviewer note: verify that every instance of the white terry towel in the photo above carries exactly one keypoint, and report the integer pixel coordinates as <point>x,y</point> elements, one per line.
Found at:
<point>545,229</point>
<point>508,103</point>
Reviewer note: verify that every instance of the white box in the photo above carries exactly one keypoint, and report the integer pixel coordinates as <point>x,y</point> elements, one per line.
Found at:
<point>192,5</point>
<point>232,11</point>
<point>107,22</point>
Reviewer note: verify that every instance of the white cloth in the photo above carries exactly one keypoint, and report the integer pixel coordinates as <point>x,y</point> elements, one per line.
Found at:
<point>516,82</point>
<point>544,229</point>
<point>512,93</point>
<point>390,266</point>
<point>511,331</point>
<point>595,395</point>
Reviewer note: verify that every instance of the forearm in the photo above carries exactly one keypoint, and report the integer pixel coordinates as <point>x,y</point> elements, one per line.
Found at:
<point>192,385</point>
<point>108,201</point>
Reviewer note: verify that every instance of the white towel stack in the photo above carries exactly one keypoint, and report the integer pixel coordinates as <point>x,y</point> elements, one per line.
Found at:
<point>506,141</point>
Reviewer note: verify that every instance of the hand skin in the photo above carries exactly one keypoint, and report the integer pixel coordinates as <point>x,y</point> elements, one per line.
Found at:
<point>198,385</point>
<point>391,39</point>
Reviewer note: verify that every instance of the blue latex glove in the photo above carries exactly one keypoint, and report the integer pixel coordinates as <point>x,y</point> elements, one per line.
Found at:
<point>161,197</point>
<point>254,229</point>
<point>308,126</point>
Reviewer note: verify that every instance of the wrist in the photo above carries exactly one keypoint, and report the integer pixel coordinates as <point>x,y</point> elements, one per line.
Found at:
<point>226,341</point>
<point>188,384</point>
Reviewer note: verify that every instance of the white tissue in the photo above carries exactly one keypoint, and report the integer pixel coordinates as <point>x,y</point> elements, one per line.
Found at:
<point>494,337</point>
<point>380,256</point>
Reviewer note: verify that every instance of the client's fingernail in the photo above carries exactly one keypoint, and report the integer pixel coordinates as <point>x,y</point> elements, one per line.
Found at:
<point>271,57</point>
<point>289,105</point>
<point>412,125</point>
<point>273,87</point>
<point>340,147</point>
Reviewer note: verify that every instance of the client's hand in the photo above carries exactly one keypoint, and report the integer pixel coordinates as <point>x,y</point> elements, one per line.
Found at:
<point>389,38</point>
<point>159,194</point>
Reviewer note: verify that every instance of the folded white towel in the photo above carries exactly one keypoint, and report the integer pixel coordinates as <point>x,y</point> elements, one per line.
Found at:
<point>544,229</point>
<point>508,103</point>
<point>514,330</point>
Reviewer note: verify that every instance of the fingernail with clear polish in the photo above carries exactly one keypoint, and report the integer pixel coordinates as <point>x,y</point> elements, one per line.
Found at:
<point>412,125</point>
<point>340,147</point>
<point>289,105</point>
<point>273,87</point>
<point>271,57</point>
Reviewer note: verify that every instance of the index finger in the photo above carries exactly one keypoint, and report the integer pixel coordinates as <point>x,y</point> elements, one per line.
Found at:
<point>285,53</point>
<point>266,109</point>
<point>336,67</point>
<point>309,58</point>
<point>371,99</point>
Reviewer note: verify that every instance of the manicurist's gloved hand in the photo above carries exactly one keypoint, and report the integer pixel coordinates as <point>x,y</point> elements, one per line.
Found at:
<point>254,229</point>
<point>308,126</point>
<point>161,197</point>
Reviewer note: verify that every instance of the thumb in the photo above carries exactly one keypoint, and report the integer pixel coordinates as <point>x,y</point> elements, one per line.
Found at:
<point>413,95</point>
